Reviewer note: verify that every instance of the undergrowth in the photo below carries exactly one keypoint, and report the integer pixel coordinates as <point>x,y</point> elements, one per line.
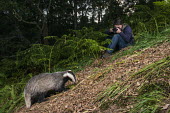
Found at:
<point>146,97</point>
<point>72,51</point>
<point>11,96</point>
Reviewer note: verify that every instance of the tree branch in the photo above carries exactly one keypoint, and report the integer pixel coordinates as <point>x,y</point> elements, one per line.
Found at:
<point>38,7</point>
<point>19,18</point>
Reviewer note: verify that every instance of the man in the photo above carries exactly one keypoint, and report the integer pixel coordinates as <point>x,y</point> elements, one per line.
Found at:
<point>122,37</point>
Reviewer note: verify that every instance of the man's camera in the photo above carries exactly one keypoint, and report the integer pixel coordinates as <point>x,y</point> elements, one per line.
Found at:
<point>115,29</point>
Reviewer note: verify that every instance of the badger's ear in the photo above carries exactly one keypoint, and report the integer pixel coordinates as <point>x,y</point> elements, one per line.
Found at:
<point>69,71</point>
<point>70,75</point>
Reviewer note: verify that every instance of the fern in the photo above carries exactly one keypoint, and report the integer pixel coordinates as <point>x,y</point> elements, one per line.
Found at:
<point>11,96</point>
<point>65,50</point>
<point>150,20</point>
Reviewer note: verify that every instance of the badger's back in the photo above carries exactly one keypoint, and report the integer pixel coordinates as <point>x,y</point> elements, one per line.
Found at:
<point>43,83</point>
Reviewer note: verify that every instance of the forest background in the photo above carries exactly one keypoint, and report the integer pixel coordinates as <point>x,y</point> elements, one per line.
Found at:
<point>54,35</point>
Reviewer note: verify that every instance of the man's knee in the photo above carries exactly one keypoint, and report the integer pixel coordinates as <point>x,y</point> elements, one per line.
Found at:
<point>116,37</point>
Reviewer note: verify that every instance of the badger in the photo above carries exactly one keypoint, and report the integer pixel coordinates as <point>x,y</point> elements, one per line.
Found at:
<point>42,85</point>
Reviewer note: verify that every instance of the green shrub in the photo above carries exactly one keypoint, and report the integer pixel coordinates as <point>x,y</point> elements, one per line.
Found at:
<point>150,19</point>
<point>67,49</point>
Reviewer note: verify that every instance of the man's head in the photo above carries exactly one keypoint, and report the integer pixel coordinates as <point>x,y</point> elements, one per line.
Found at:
<point>118,23</point>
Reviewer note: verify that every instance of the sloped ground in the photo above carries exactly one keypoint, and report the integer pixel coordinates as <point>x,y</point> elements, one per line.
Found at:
<point>95,79</point>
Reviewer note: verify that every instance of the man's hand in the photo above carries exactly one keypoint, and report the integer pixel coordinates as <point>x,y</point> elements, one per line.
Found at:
<point>118,30</point>
<point>111,30</point>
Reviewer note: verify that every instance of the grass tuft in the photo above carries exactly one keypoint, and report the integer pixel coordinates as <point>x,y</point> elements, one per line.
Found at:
<point>154,88</point>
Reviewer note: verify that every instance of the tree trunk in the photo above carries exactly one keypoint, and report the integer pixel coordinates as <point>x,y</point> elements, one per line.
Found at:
<point>75,14</point>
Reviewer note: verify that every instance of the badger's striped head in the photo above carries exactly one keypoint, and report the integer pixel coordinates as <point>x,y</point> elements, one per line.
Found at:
<point>70,75</point>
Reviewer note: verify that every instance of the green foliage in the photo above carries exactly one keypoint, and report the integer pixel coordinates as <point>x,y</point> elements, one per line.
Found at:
<point>35,58</point>
<point>66,51</point>
<point>7,66</point>
<point>162,9</point>
<point>139,19</point>
<point>11,96</point>
<point>10,45</point>
<point>148,102</point>
<point>148,19</point>
<point>3,78</point>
